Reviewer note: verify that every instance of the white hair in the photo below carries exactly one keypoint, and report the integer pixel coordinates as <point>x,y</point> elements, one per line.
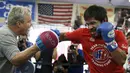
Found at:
<point>17,14</point>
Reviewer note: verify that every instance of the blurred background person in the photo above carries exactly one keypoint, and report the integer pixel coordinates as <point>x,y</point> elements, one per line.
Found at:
<point>61,65</point>
<point>75,59</point>
<point>127,63</point>
<point>24,43</point>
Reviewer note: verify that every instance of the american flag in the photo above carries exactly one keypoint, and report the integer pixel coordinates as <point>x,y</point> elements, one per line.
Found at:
<point>54,13</point>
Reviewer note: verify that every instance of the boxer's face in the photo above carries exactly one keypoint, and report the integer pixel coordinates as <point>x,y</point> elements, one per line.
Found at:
<point>92,25</point>
<point>24,28</point>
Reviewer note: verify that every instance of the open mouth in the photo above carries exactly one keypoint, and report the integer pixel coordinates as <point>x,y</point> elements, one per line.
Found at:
<point>93,30</point>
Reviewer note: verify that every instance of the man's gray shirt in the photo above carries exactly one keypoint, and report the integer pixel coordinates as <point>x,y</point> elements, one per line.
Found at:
<point>8,49</point>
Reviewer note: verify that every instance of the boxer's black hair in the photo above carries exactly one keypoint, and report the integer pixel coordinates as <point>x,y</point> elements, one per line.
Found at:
<point>97,12</point>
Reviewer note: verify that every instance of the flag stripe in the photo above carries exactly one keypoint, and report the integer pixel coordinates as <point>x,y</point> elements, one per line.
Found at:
<point>58,15</point>
<point>62,14</point>
<point>55,18</point>
<point>53,21</point>
<point>63,4</point>
<point>62,11</point>
<point>62,7</point>
<point>43,22</point>
<point>54,13</point>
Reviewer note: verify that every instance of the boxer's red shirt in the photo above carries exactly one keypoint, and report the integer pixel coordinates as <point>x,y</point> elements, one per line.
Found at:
<point>95,52</point>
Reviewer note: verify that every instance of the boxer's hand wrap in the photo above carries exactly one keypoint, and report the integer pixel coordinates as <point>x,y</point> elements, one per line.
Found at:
<point>106,30</point>
<point>47,40</point>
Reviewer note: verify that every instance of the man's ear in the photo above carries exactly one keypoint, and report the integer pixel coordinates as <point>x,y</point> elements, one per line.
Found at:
<point>18,24</point>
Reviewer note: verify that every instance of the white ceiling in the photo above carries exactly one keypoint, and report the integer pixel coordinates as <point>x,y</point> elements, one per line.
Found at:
<point>99,2</point>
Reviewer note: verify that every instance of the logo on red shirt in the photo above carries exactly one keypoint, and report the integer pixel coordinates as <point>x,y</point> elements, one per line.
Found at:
<point>101,56</point>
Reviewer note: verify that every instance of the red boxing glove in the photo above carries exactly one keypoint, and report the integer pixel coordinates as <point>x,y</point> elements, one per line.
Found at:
<point>47,40</point>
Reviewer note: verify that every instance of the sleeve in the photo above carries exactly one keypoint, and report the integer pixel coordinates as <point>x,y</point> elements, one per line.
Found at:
<point>121,40</point>
<point>80,52</point>
<point>80,59</point>
<point>29,44</point>
<point>9,47</point>
<point>74,36</point>
<point>70,58</point>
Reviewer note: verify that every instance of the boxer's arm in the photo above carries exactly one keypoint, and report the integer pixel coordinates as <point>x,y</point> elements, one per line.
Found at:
<point>119,56</point>
<point>73,36</point>
<point>23,56</point>
<point>63,37</point>
<point>122,47</point>
<point>107,32</point>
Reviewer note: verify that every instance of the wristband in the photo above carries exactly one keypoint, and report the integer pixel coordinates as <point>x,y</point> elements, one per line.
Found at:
<point>112,46</point>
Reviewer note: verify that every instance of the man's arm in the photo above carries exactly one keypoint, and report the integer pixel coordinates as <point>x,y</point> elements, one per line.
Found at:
<point>119,56</point>
<point>42,43</point>
<point>106,30</point>
<point>37,55</point>
<point>22,57</point>
<point>54,55</point>
<point>63,37</point>
<point>73,36</point>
